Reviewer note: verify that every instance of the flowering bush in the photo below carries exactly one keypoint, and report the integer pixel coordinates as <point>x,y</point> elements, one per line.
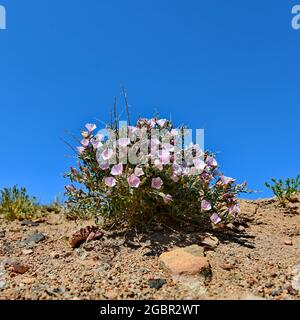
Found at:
<point>148,172</point>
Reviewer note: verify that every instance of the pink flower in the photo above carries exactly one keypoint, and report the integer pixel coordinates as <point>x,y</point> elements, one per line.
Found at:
<point>211,161</point>
<point>104,165</point>
<point>164,156</point>
<point>85,134</point>
<point>99,137</point>
<point>138,171</point>
<point>85,142</point>
<point>167,199</point>
<point>110,181</point>
<point>91,127</point>
<point>206,176</point>
<point>162,122</point>
<point>168,147</point>
<point>226,180</point>
<point>234,209</point>
<point>133,181</point>
<point>158,164</point>
<point>132,130</point>
<point>117,169</point>
<point>174,132</point>
<point>177,169</point>
<point>157,183</point>
<point>107,154</point>
<point>124,142</point>
<point>96,143</point>
<point>199,164</point>
<point>205,205</point>
<point>152,123</point>
<point>80,149</point>
<point>154,143</point>
<point>215,218</point>
<point>174,178</point>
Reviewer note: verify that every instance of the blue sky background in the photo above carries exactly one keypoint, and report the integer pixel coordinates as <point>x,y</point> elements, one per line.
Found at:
<point>230,67</point>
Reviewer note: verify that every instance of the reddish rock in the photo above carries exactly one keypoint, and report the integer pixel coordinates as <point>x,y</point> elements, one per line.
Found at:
<point>19,268</point>
<point>288,242</point>
<point>185,261</point>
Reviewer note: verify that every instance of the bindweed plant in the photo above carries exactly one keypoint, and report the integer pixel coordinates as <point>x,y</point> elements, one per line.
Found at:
<point>16,204</point>
<point>137,174</point>
<point>285,191</point>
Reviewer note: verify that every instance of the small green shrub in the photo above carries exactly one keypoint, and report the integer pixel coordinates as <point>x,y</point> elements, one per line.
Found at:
<point>16,204</point>
<point>164,184</point>
<point>285,190</point>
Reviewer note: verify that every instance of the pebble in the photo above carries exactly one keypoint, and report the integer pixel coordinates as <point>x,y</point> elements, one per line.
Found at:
<point>28,280</point>
<point>288,242</point>
<point>27,252</point>
<point>2,277</point>
<point>54,255</point>
<point>19,268</point>
<point>228,266</point>
<point>210,241</point>
<point>157,283</point>
<point>111,294</point>
<point>36,237</point>
<point>29,223</point>
<point>241,228</point>
<point>2,233</point>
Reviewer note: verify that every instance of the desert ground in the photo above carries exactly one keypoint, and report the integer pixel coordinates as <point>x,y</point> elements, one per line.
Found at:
<point>256,257</point>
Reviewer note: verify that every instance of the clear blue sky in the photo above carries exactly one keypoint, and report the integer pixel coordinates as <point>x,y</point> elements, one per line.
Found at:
<point>230,67</point>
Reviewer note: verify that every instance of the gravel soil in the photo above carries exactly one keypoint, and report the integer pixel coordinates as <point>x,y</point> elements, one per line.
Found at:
<point>256,258</point>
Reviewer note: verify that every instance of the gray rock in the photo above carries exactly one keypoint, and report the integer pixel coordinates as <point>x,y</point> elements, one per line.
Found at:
<point>157,283</point>
<point>2,233</point>
<point>2,277</point>
<point>296,277</point>
<point>36,237</point>
<point>29,223</point>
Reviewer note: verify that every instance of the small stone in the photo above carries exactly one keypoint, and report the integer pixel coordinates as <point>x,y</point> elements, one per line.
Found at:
<point>54,255</point>
<point>111,294</point>
<point>26,252</point>
<point>2,233</point>
<point>67,254</point>
<point>292,291</point>
<point>36,237</point>
<point>2,284</point>
<point>296,278</point>
<point>189,260</point>
<point>19,268</point>
<point>210,241</point>
<point>157,283</point>
<point>276,292</point>
<point>231,226</point>
<point>29,223</point>
<point>288,242</point>
<point>28,280</point>
<point>158,227</point>
<point>241,228</point>
<point>228,266</point>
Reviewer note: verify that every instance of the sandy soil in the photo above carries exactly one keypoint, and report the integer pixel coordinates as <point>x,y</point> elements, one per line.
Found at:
<point>255,258</point>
